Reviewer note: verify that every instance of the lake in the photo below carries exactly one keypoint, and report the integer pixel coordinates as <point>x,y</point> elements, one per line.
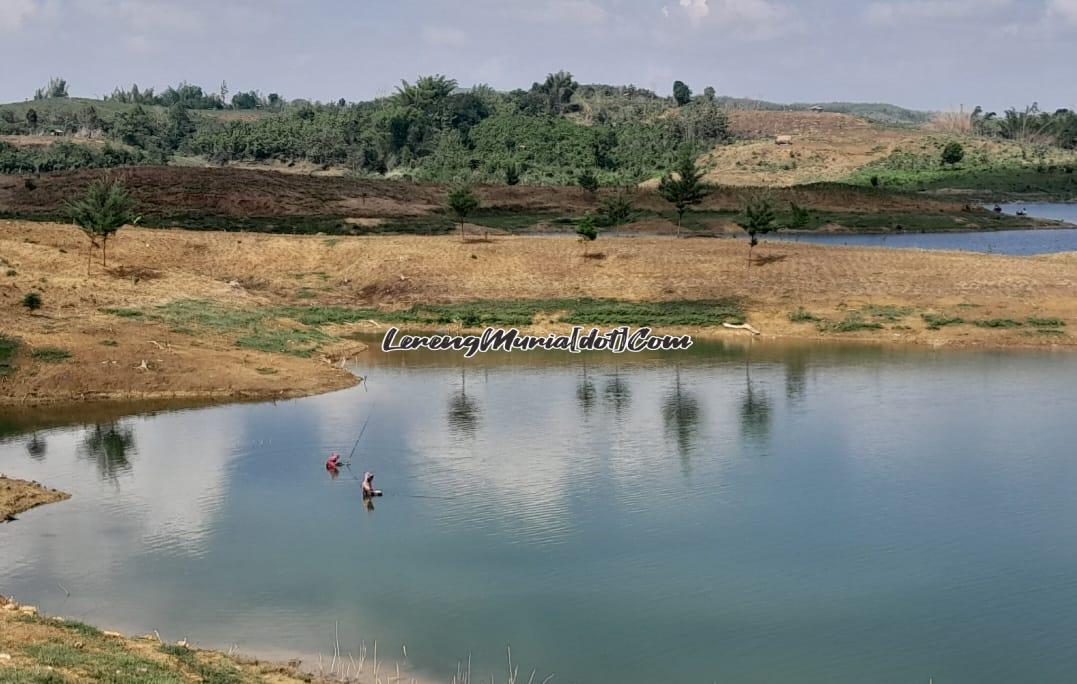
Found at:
<point>773,513</point>
<point>1012,242</point>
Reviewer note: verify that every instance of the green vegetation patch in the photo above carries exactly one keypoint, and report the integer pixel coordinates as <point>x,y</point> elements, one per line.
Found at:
<point>112,665</point>
<point>853,322</point>
<point>50,354</point>
<point>939,321</point>
<point>1038,322</point>
<point>997,323</point>
<point>297,330</point>
<point>8,347</point>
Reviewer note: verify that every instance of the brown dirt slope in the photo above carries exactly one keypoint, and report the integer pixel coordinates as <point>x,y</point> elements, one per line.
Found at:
<point>239,192</point>
<point>17,496</point>
<point>825,147</point>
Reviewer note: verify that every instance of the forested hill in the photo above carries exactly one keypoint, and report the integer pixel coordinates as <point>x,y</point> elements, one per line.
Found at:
<point>433,130</point>
<point>430,129</point>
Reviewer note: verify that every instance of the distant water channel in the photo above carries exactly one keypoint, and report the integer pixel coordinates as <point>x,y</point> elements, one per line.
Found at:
<point>810,514</point>
<point>1012,242</point>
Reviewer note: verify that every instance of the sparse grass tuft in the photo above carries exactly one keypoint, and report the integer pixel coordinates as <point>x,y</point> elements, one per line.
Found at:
<point>802,315</point>
<point>891,314</point>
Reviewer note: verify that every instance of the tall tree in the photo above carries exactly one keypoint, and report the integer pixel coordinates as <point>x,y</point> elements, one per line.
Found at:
<point>681,93</point>
<point>558,89</point>
<point>683,187</point>
<point>104,209</point>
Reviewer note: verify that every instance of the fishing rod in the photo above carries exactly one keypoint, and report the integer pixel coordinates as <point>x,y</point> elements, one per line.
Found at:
<point>356,445</point>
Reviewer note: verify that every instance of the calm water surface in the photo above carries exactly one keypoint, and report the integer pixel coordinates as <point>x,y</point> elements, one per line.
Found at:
<point>1013,242</point>
<point>789,514</point>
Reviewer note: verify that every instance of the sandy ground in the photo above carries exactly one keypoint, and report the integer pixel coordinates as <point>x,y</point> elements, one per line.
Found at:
<point>84,654</point>
<point>152,267</point>
<point>17,496</point>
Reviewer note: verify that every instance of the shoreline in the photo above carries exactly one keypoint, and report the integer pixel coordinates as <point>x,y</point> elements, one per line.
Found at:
<point>18,496</point>
<point>85,652</point>
<point>217,316</point>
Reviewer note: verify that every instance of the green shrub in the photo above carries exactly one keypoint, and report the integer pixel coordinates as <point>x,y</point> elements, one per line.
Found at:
<point>938,321</point>
<point>32,301</point>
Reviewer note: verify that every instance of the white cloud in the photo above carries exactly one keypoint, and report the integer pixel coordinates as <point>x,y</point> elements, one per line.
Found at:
<point>1066,10</point>
<point>751,19</point>
<point>696,9</point>
<point>893,13</point>
<point>444,36</point>
<point>15,13</point>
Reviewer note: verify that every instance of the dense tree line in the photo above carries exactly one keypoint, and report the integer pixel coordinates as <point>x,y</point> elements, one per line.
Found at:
<point>65,156</point>
<point>1028,126</point>
<point>429,129</point>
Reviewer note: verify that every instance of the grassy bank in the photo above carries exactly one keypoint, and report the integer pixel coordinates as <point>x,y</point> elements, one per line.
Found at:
<point>42,650</point>
<point>299,330</point>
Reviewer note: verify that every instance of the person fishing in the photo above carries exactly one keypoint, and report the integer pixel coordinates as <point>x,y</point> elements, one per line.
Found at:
<point>333,462</point>
<point>368,486</point>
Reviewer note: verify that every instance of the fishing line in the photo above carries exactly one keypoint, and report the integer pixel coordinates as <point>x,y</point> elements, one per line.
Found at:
<point>356,445</point>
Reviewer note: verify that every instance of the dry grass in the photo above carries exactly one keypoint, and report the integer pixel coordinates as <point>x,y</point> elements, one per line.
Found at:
<point>406,270</point>
<point>826,146</point>
<point>952,123</point>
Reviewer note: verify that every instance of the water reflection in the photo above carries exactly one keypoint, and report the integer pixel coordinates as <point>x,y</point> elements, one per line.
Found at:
<point>109,446</point>
<point>36,447</point>
<point>755,408</point>
<point>617,393</point>
<point>586,392</point>
<point>463,412</point>
<point>927,487</point>
<point>680,416</point>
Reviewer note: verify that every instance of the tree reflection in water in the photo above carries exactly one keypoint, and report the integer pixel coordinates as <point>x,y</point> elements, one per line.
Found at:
<point>617,393</point>
<point>586,393</point>
<point>109,445</point>
<point>36,447</point>
<point>463,413</point>
<point>755,408</point>
<point>681,415</point>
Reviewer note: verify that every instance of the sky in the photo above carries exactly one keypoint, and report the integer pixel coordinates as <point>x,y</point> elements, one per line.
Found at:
<point>924,54</point>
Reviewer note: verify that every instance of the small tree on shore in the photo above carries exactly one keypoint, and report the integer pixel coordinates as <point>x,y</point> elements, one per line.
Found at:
<point>683,187</point>
<point>587,232</point>
<point>104,209</point>
<point>758,220</point>
<point>462,202</point>
<point>953,153</point>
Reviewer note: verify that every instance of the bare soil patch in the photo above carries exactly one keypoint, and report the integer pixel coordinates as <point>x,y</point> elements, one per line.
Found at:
<point>17,496</point>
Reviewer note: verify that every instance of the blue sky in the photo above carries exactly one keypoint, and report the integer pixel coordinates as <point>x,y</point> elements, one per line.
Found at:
<point>930,54</point>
